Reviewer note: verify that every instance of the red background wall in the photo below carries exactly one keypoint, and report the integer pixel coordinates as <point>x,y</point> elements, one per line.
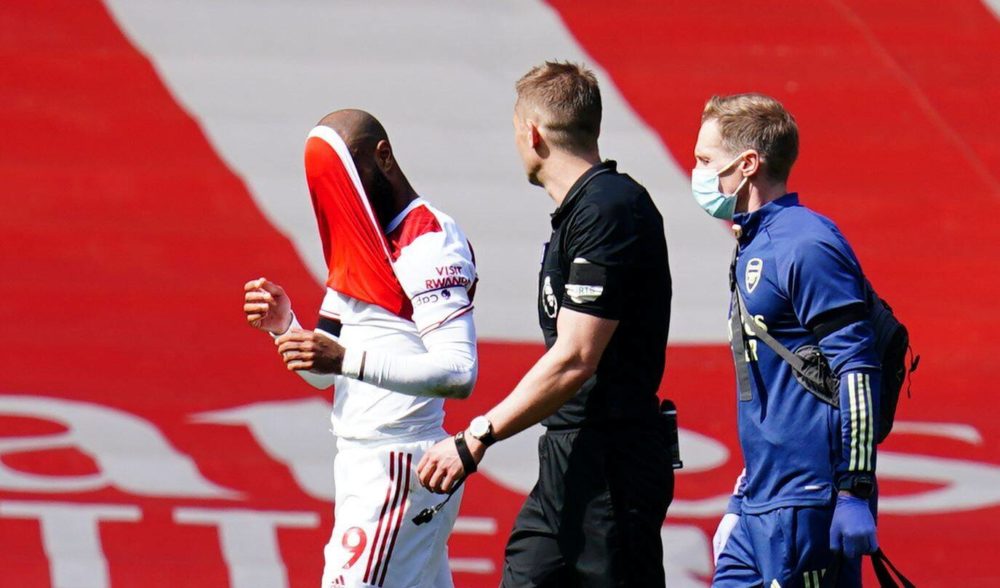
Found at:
<point>125,243</point>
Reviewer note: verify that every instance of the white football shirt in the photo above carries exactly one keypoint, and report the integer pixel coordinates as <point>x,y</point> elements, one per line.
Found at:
<point>435,265</point>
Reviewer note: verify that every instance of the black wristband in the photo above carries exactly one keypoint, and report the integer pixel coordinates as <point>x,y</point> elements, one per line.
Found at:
<point>861,485</point>
<point>468,462</point>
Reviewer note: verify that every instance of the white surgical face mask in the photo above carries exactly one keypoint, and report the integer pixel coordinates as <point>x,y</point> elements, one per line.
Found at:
<point>708,194</point>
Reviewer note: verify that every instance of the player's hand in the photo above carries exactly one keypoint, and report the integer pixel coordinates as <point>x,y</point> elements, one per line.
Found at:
<point>722,533</point>
<point>853,528</point>
<point>266,306</point>
<point>441,467</point>
<point>310,351</point>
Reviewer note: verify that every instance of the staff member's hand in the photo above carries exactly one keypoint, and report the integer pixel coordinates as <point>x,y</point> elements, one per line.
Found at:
<point>441,467</point>
<point>853,529</point>
<point>266,306</point>
<point>310,351</point>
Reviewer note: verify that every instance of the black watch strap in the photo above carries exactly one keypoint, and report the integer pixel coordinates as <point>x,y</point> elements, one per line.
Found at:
<point>468,462</point>
<point>860,485</point>
<point>488,439</point>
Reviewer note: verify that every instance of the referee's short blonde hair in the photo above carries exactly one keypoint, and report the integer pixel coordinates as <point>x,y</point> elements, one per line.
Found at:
<point>568,101</point>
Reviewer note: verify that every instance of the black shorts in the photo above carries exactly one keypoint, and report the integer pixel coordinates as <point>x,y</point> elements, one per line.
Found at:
<point>595,515</point>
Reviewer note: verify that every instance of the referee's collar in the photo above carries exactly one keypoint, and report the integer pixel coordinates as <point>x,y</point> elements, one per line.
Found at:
<point>595,170</point>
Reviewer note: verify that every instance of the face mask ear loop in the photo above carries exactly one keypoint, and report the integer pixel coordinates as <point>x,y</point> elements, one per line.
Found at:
<point>746,179</point>
<point>736,193</point>
<point>728,167</point>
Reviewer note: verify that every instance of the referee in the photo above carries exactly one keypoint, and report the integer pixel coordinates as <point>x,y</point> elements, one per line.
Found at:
<point>605,477</point>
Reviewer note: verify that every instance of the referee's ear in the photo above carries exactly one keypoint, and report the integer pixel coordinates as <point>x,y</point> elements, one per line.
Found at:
<point>536,135</point>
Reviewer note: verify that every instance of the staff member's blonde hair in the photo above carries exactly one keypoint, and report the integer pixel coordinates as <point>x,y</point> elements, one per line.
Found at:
<point>759,122</point>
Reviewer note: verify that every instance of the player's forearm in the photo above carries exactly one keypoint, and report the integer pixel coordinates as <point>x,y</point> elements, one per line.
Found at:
<point>444,374</point>
<point>318,381</point>
<point>552,381</point>
<point>447,370</point>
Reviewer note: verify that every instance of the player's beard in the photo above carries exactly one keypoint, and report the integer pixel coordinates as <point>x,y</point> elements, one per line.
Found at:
<point>380,194</point>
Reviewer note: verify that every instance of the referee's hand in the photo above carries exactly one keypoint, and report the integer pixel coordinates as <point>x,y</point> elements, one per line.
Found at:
<point>441,468</point>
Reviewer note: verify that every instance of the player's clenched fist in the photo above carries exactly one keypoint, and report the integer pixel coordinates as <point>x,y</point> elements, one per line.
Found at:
<point>266,306</point>
<point>309,351</point>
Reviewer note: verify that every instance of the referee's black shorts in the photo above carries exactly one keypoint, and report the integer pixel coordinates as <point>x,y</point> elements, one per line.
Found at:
<point>594,517</point>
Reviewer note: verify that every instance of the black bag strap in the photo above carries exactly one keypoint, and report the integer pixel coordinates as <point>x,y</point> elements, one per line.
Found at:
<point>883,566</point>
<point>738,336</point>
<point>738,312</point>
<point>740,328</point>
<point>888,575</point>
<point>832,572</point>
<point>798,364</point>
<point>832,321</point>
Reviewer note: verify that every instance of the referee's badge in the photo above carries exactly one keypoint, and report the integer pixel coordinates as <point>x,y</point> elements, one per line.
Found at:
<point>549,302</point>
<point>752,277</point>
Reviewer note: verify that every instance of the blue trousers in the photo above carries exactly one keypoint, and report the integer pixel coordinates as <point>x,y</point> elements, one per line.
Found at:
<point>785,547</point>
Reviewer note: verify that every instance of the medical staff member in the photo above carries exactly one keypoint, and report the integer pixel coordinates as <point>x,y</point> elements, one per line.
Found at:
<point>806,499</point>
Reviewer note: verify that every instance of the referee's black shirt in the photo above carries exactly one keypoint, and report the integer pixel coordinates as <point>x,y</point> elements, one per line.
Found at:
<point>608,258</point>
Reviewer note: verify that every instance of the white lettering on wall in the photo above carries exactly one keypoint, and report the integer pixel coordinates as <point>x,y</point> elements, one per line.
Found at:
<point>131,454</point>
<point>293,432</point>
<point>249,541</point>
<point>71,537</point>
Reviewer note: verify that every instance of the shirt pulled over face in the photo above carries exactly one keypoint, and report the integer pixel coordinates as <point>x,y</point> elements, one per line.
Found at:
<point>355,248</point>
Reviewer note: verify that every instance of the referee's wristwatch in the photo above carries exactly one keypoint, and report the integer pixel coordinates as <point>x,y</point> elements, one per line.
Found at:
<point>482,429</point>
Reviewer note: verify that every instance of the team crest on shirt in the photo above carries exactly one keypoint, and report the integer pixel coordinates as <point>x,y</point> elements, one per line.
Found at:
<point>549,303</point>
<point>755,268</point>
